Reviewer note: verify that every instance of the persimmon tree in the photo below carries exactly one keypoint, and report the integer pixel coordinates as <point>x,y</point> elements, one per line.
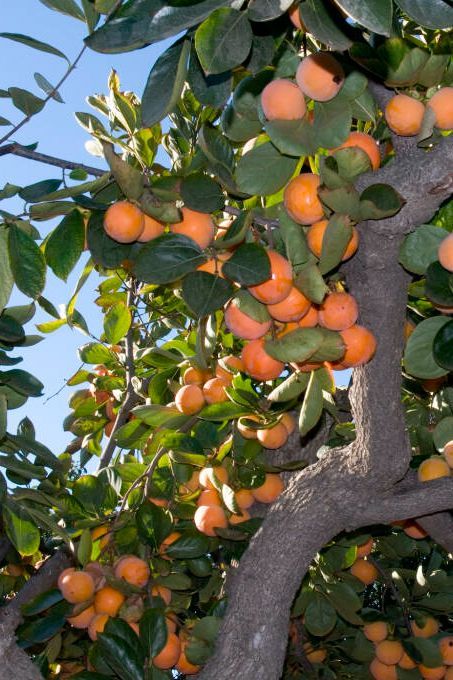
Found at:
<point>223,510</point>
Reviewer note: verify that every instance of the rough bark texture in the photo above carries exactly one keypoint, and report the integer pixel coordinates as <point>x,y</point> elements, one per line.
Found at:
<point>362,483</point>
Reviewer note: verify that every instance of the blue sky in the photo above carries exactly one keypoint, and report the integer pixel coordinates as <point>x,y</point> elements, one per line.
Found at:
<point>55,128</point>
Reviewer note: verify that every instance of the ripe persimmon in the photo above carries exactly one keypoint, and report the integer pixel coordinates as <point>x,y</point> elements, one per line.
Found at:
<point>133,569</point>
<point>97,625</point>
<point>294,15</point>
<point>389,651</point>
<point>270,490</point>
<point>445,253</point>
<point>315,237</point>
<point>243,516</point>
<point>364,571</point>
<point>310,319</point>
<point>171,538</point>
<point>365,142</point>
<point>381,671</point>
<point>406,662</point>
<point>360,346</point>
<point>442,104</point>
<point>108,600</point>
<point>195,376</point>
<point>189,399</point>
<point>365,549</point>
<point>102,532</point>
<point>278,285</point>
<point>196,225</point>
<point>234,364</point>
<point>83,618</point>
<point>376,631</point>
<point>414,530</point>
<point>214,390</point>
<point>430,627</point>
<point>314,655</point>
<point>209,497</point>
<point>448,453</point>
<point>273,437</point>
<point>301,199</point>
<point>428,673</point>
<point>207,518</point>
<point>404,115</point>
<point>258,363</point>
<point>446,649</point>
<point>282,100</point>
<point>289,422</point>
<point>184,666</point>
<point>338,311</point>
<point>124,222</point>
<point>244,498</point>
<point>162,592</point>
<point>76,586</point>
<point>152,229</point>
<point>291,308</point>
<point>320,76</point>
<point>242,325</point>
<point>170,653</point>
<point>219,472</point>
<point>433,468</point>
<point>248,432</point>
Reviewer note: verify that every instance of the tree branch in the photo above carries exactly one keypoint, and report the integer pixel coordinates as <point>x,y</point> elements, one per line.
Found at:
<point>24,152</point>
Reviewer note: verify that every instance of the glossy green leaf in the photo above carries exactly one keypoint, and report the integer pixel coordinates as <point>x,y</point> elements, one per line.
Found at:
<point>236,232</point>
<point>439,285</point>
<point>95,353</point>
<point>65,245</point>
<point>85,547</point>
<point>420,248</point>
<point>6,279</point>
<point>247,94</point>
<point>310,282</point>
<point>27,262</point>
<point>334,243</point>
<point>290,388</point>
<point>3,417</point>
<point>25,101</point>
<point>419,360</point>
<point>296,346</point>
<point>249,172</point>
<point>165,82</point>
<point>104,250</point>
<point>423,651</point>
<point>266,10</point>
<point>35,44</point>
<point>121,655</point>
<point>188,546</point>
<point>293,137</point>
<point>376,15</point>
<point>249,265</point>
<point>319,617</point>
<point>312,405</point>
<point>332,122</point>
<point>210,90</point>
<point>202,193</point>
<point>41,602</point>
<point>216,147</point>
<point>222,411</point>
<point>117,322</point>
<point>379,201</point>
<point>153,631</point>
<point>167,258</point>
<point>435,14</point>
<point>22,382</point>
<point>223,40</point>
<point>68,7</point>
<point>239,128</point>
<point>204,293</point>
<point>442,347</point>
<point>443,432</point>
<point>21,531</point>
<point>48,88</point>
<point>249,305</point>
<point>34,192</point>
<point>153,523</point>
<point>319,21</point>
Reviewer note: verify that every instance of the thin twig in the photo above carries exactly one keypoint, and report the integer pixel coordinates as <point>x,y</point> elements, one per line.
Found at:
<point>20,150</point>
<point>262,221</point>
<point>131,398</point>
<point>49,96</point>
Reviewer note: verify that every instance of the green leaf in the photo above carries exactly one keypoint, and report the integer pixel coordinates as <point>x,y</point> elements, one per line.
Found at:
<point>34,192</point>
<point>90,493</point>
<point>105,250</point>
<point>85,547</point>
<point>346,601</point>
<point>222,411</point>
<point>65,245</point>
<point>202,193</point>
<point>121,655</point>
<point>68,7</point>
<point>335,240</point>
<point>293,137</point>
<point>204,293</point>
<point>95,353</point>
<point>27,262</point>
<point>21,531</point>
<point>6,278</point>
<point>249,172</point>
<point>319,21</point>
<point>188,546</point>
<point>290,388</point>
<point>379,201</point>
<point>332,122</point>
<point>153,523</point>
<point>41,602</point>
<point>420,248</point>
<point>212,90</point>
<point>153,631</point>
<point>439,285</point>
<point>216,147</point>
<point>296,346</point>
<point>167,258</point>
<point>442,347</point>
<point>443,432</point>
<point>437,14</point>
<point>312,406</point>
<point>423,651</point>
<point>223,40</point>
<point>35,44</point>
<point>319,617</point>
<point>165,82</point>
<point>3,417</point>
<point>246,303</point>
<point>22,382</point>
<point>48,88</point>
<point>247,94</point>
<point>249,265</point>
<point>236,233</point>
<point>207,628</point>
<point>117,322</point>
<point>376,15</point>
<point>419,360</point>
<point>26,101</point>
<point>4,121</point>
<point>310,282</point>
<point>238,128</point>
